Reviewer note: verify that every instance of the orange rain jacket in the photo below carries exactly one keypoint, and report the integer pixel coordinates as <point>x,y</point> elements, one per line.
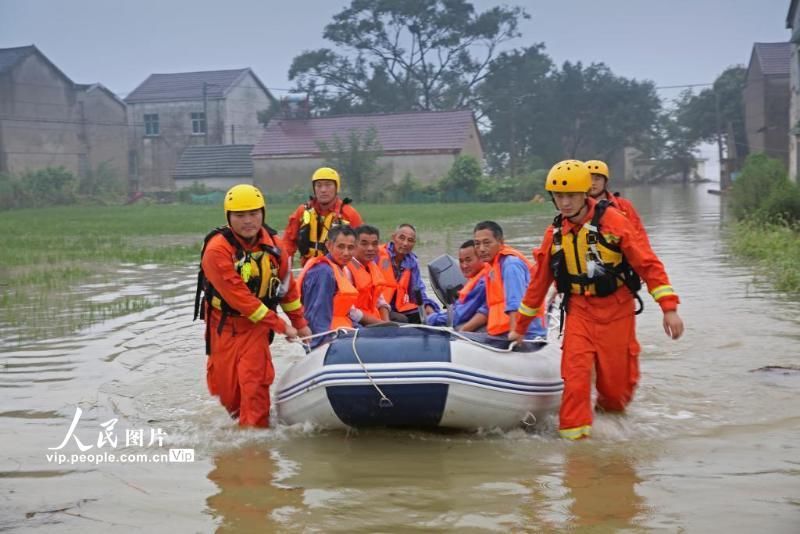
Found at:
<point>599,331</point>
<point>239,368</point>
<point>344,211</point>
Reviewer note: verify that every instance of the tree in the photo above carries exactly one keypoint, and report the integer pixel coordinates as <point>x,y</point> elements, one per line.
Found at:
<point>517,96</point>
<point>717,107</point>
<point>399,55</point>
<point>540,114</point>
<point>599,112</point>
<point>355,158</point>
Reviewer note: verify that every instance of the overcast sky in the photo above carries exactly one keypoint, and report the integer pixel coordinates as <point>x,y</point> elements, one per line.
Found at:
<point>119,44</point>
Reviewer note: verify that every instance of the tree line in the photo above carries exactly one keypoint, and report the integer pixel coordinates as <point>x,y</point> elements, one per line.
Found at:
<point>414,55</point>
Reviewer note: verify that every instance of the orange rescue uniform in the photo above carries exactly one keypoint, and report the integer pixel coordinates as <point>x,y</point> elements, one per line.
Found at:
<point>626,207</point>
<point>599,331</point>
<point>339,212</point>
<point>239,369</point>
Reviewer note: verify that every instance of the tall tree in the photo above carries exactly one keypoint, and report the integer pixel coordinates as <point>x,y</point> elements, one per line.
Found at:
<point>599,112</point>
<point>540,114</point>
<point>518,95</point>
<point>397,55</point>
<point>714,109</point>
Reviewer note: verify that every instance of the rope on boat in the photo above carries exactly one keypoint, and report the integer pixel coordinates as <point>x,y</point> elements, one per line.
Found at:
<point>462,337</point>
<point>385,402</point>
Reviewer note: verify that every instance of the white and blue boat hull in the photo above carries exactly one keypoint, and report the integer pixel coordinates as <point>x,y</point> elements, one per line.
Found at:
<point>430,378</point>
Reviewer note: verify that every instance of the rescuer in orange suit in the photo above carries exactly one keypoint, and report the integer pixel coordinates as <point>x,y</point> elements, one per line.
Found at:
<point>595,255</point>
<point>599,191</point>
<point>308,227</point>
<point>245,274</point>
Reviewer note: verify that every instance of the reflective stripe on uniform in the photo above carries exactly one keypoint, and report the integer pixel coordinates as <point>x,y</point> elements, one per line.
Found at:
<point>526,311</point>
<point>291,306</point>
<point>661,292</point>
<point>259,314</point>
<point>576,433</point>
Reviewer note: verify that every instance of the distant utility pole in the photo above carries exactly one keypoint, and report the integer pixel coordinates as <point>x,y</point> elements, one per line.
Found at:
<point>205,112</point>
<point>233,134</point>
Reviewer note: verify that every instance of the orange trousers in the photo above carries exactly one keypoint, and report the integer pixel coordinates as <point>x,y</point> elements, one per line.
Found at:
<point>239,369</point>
<point>599,334</point>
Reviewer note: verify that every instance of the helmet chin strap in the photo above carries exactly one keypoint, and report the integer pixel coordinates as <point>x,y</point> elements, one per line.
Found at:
<point>570,217</point>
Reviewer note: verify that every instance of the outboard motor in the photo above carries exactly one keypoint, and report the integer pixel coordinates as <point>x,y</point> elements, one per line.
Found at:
<point>446,278</point>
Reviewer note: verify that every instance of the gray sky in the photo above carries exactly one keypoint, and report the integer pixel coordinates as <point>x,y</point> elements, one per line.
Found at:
<point>119,44</point>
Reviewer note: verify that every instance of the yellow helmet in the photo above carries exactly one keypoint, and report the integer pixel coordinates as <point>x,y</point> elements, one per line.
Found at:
<point>569,176</point>
<point>598,167</point>
<point>243,197</point>
<point>326,173</point>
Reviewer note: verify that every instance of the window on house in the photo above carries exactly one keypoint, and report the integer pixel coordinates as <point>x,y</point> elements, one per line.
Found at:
<point>198,123</point>
<point>151,124</point>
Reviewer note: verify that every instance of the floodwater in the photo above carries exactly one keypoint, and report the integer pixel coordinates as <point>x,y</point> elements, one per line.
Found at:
<point>709,444</point>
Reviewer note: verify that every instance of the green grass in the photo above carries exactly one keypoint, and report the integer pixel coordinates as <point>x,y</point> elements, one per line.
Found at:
<point>775,248</point>
<point>47,252</point>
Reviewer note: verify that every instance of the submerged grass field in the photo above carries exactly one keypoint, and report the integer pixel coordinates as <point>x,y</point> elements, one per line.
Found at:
<point>775,248</point>
<point>48,252</point>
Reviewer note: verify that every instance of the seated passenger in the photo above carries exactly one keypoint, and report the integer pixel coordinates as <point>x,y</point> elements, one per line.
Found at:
<point>472,296</point>
<point>371,307</point>
<point>399,264</point>
<point>506,281</point>
<point>327,291</point>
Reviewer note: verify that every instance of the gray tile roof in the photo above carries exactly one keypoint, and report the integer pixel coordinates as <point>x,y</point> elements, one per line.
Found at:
<point>773,58</point>
<point>10,56</point>
<point>214,161</point>
<point>417,132</point>
<point>187,86</point>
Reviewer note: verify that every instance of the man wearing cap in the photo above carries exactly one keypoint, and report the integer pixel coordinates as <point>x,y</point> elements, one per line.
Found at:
<point>244,275</point>
<point>308,227</point>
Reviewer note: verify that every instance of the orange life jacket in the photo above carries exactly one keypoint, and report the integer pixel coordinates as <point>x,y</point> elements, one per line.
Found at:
<point>472,282</point>
<point>345,296</point>
<point>397,289</point>
<point>369,282</point>
<point>498,321</point>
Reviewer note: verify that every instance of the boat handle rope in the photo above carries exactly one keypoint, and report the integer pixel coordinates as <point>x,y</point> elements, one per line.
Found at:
<point>385,401</point>
<point>462,337</point>
<point>452,332</point>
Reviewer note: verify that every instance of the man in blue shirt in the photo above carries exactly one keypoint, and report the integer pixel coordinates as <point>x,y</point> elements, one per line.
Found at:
<point>326,283</point>
<point>472,296</point>
<point>397,262</point>
<point>506,282</point>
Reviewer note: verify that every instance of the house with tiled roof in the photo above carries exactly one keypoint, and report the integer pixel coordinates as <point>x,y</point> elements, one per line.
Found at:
<point>47,120</point>
<point>766,100</point>
<point>217,167</point>
<point>169,113</point>
<point>423,144</point>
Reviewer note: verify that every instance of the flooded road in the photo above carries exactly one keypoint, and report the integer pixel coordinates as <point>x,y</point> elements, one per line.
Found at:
<point>708,444</point>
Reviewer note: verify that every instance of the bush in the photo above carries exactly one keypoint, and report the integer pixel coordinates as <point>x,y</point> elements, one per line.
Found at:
<point>761,178</point>
<point>782,206</point>
<point>102,183</point>
<point>462,181</point>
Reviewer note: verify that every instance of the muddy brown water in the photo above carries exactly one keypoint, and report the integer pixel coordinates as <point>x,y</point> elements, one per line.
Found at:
<point>707,446</point>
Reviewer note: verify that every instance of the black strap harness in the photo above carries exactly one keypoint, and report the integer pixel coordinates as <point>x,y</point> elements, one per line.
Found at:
<point>605,276</point>
<point>206,292</point>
